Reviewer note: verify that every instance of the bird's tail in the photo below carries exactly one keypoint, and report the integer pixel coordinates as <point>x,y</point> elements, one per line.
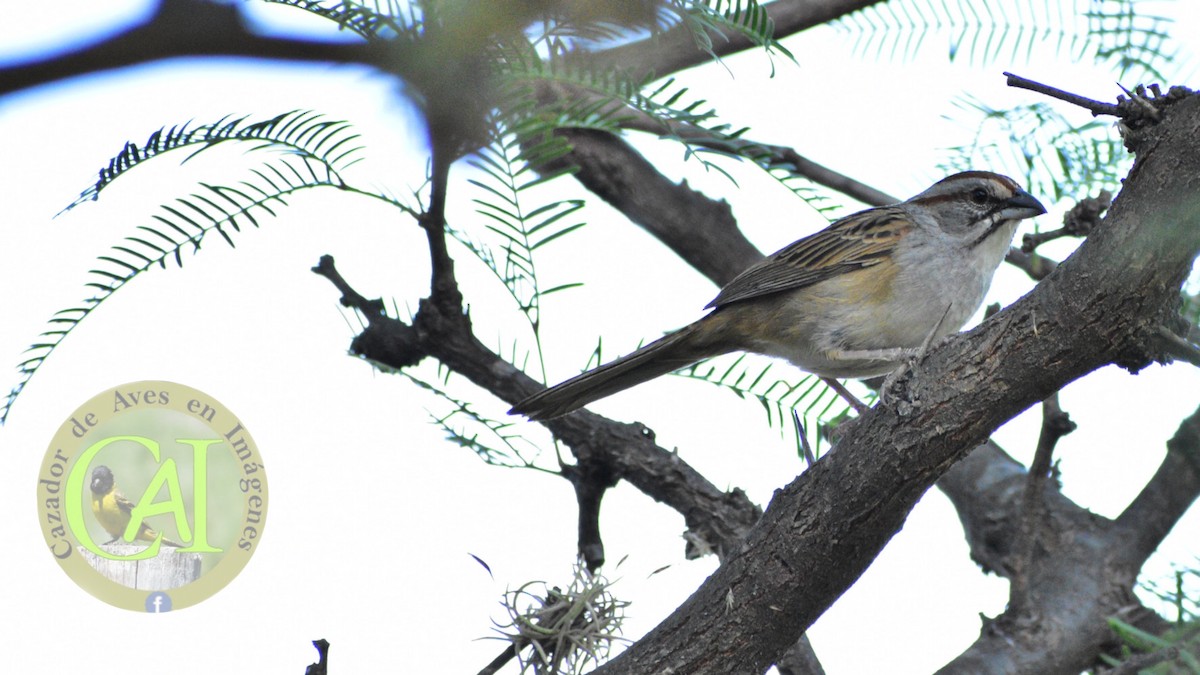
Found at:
<point>677,350</point>
<point>150,534</point>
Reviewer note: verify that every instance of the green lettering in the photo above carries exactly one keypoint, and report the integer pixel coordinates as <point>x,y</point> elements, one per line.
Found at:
<point>76,480</point>
<point>200,493</point>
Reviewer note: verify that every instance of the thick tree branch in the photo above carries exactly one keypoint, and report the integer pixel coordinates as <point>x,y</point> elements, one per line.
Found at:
<point>183,28</point>
<point>713,516</point>
<point>1167,496</point>
<point>692,225</point>
<point>676,50</point>
<point>1034,517</point>
<point>824,529</point>
<point>1081,571</point>
<point>986,489</point>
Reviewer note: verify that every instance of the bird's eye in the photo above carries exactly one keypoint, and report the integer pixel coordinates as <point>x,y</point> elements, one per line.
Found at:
<point>979,196</point>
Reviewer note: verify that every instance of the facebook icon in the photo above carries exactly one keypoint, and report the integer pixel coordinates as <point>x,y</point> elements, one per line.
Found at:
<point>158,602</point>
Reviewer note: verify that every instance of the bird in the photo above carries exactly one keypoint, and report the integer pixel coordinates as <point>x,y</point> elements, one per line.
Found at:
<point>854,300</point>
<point>113,510</point>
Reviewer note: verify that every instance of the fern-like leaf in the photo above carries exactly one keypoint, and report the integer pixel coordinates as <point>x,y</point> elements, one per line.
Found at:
<point>520,227</point>
<point>747,18</point>
<point>182,225</point>
<point>493,441</point>
<point>379,22</point>
<point>785,402</point>
<point>1085,158</point>
<point>1111,30</point>
<point>301,132</point>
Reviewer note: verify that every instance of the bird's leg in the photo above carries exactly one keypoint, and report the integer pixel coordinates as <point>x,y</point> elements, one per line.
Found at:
<point>842,391</point>
<point>914,359</point>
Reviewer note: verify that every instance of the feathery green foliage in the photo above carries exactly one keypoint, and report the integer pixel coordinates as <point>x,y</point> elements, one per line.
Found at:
<point>1174,651</point>
<point>1137,44</point>
<point>379,22</point>
<point>317,150</point>
<point>508,171</point>
<point>747,18</point>
<point>1085,158</point>
<point>1108,30</point>
<point>1170,654</point>
<point>301,132</point>
<point>307,152</point>
<point>786,402</point>
<point>496,443</point>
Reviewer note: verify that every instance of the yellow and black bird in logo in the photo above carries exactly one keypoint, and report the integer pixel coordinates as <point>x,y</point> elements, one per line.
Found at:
<point>114,511</point>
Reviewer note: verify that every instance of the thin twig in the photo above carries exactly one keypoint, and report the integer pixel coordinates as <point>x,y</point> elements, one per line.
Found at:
<point>1084,217</point>
<point>443,286</point>
<point>1097,108</point>
<point>350,298</point>
<point>510,652</point>
<point>1036,266</point>
<point>1178,347</point>
<point>766,155</point>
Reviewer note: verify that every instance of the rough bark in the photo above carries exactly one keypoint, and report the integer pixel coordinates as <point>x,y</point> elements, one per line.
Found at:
<point>1101,306</point>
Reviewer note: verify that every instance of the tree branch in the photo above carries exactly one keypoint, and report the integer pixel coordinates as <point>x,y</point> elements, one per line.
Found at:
<point>822,531</point>
<point>676,50</point>
<point>1096,107</point>
<point>590,481</point>
<point>1170,492</point>
<point>628,450</point>
<point>1033,519</point>
<point>692,225</point>
<point>183,28</point>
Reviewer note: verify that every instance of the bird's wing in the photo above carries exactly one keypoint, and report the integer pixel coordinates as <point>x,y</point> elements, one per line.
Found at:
<point>124,504</point>
<point>860,240</point>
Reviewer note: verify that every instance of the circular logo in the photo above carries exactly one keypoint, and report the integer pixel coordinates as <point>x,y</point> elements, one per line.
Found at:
<point>152,496</point>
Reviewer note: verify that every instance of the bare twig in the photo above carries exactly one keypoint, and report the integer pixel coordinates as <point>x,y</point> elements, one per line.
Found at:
<point>350,298</point>
<point>1096,107</point>
<point>443,286</point>
<point>676,50</point>
<point>720,518</point>
<point>1178,347</point>
<point>1036,266</point>
<point>197,28</point>
<point>1168,495</point>
<point>1084,217</point>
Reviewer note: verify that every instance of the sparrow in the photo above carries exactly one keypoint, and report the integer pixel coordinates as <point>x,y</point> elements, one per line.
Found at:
<point>854,300</point>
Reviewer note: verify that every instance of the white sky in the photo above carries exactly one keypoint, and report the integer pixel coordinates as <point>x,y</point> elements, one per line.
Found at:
<point>372,515</point>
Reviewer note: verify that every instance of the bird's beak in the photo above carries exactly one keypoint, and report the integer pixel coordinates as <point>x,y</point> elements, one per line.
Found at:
<point>1021,205</point>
